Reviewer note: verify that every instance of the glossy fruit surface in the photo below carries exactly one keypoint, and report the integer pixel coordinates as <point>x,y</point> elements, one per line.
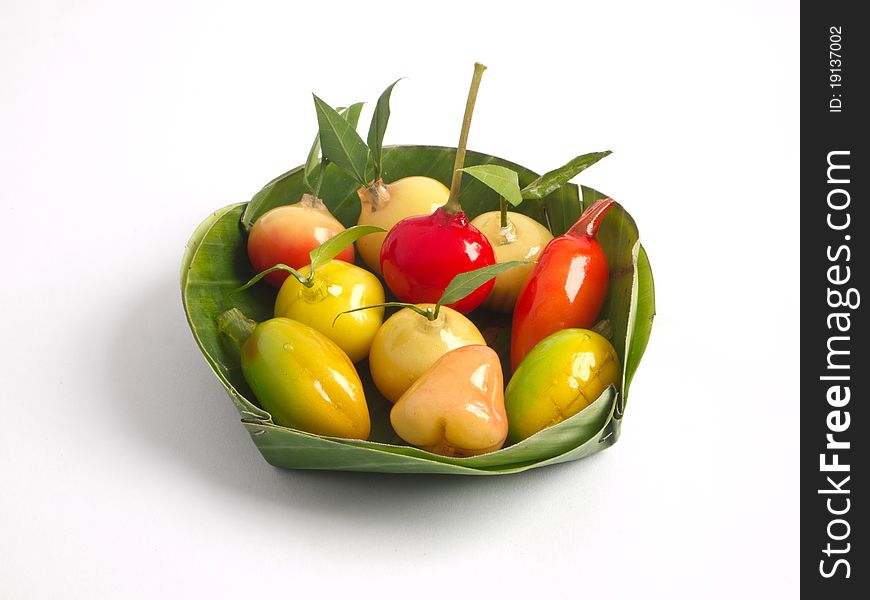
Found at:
<point>302,378</point>
<point>385,205</point>
<point>422,254</point>
<point>408,344</point>
<point>337,287</point>
<point>563,374</point>
<point>566,288</point>
<point>457,407</point>
<point>287,234</point>
<point>522,239</point>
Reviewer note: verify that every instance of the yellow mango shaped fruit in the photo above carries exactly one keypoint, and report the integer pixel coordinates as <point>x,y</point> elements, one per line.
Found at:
<point>300,376</point>
<point>522,238</point>
<point>457,407</point>
<point>408,344</point>
<point>563,374</point>
<point>337,287</point>
<point>384,205</point>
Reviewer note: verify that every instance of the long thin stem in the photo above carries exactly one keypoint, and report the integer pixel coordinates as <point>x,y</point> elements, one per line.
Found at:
<point>453,205</point>
<point>502,206</point>
<point>424,312</point>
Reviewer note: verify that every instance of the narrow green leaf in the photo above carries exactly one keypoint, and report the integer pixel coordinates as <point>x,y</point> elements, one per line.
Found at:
<point>340,142</point>
<point>378,127</point>
<point>501,180</point>
<point>465,283</point>
<point>351,115</point>
<point>553,180</point>
<point>332,247</point>
<point>645,310</point>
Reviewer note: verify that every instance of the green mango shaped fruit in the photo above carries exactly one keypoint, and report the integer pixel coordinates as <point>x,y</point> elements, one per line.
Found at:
<point>563,374</point>
<point>300,376</point>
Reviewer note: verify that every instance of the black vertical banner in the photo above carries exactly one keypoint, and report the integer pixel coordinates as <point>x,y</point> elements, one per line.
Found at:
<point>835,354</point>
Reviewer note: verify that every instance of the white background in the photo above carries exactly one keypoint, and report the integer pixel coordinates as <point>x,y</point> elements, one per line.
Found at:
<point>123,469</point>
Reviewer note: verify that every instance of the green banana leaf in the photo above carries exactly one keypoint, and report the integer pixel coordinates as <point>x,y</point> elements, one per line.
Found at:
<point>215,265</point>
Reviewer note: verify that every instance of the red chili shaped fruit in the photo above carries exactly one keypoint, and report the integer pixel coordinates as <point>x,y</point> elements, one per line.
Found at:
<point>567,287</point>
<point>287,234</point>
<point>422,254</point>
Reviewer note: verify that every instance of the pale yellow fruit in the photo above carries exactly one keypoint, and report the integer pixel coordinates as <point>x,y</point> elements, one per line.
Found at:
<point>384,205</point>
<point>408,343</point>
<point>523,239</point>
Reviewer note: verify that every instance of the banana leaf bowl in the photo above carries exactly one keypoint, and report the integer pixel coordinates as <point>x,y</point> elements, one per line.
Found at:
<point>215,265</point>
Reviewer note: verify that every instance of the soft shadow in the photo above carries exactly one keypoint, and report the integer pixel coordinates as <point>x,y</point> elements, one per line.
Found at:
<point>164,393</point>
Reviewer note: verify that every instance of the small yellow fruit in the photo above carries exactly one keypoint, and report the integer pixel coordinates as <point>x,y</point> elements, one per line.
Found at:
<point>337,287</point>
<point>408,344</point>
<point>522,239</point>
<point>384,205</point>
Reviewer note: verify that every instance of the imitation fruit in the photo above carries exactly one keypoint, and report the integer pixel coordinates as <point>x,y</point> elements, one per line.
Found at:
<point>566,288</point>
<point>286,234</point>
<point>320,291</point>
<point>456,408</point>
<point>411,340</point>
<point>513,236</point>
<point>300,376</point>
<point>422,254</point>
<point>563,374</point>
<point>409,343</point>
<point>337,287</point>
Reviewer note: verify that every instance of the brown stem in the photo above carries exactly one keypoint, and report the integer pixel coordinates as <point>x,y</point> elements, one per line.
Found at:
<point>312,201</point>
<point>376,194</point>
<point>453,205</point>
<point>604,328</point>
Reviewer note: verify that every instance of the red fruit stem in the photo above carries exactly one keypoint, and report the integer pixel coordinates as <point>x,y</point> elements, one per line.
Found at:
<point>590,220</point>
<point>453,205</point>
